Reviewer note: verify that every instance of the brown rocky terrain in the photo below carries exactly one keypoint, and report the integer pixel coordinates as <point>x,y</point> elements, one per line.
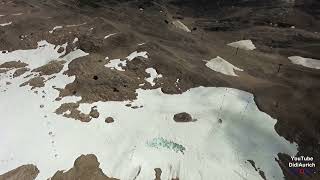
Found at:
<point>289,94</point>
<point>25,172</point>
<point>86,167</point>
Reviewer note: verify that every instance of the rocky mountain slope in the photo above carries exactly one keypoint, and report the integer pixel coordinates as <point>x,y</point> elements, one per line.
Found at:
<point>73,64</point>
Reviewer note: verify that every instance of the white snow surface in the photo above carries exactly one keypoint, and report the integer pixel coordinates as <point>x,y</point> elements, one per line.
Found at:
<point>17,14</point>
<point>54,28</point>
<point>220,65</point>
<point>243,44</point>
<point>306,62</point>
<point>118,63</point>
<point>109,35</point>
<point>135,54</point>
<point>6,24</point>
<point>40,56</point>
<point>213,150</point>
<point>75,40</point>
<point>181,26</point>
<point>153,75</point>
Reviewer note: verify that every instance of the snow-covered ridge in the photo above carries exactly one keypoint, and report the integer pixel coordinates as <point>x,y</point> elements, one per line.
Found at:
<point>306,62</point>
<point>220,65</point>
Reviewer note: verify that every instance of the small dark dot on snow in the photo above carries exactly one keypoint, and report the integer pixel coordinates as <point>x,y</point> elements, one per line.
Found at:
<point>95,77</point>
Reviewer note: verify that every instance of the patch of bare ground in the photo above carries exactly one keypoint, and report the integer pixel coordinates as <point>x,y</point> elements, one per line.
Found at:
<point>70,110</point>
<point>13,64</point>
<point>52,67</point>
<point>25,172</point>
<point>20,72</point>
<point>86,167</point>
<point>158,173</point>
<point>35,82</point>
<point>94,82</point>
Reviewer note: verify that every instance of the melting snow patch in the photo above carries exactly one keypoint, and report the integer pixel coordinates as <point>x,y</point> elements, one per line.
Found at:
<point>137,54</point>
<point>75,40</point>
<point>109,35</point>
<point>140,44</point>
<point>118,63</point>
<point>45,53</point>
<point>17,14</point>
<point>243,44</point>
<point>153,75</point>
<point>54,28</point>
<point>6,24</point>
<point>218,64</point>
<point>180,25</point>
<point>307,62</point>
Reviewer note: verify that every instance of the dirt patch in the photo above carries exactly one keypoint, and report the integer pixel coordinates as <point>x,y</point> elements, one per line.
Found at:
<point>70,110</point>
<point>35,82</point>
<point>25,172</point>
<point>158,173</point>
<point>13,64</point>
<point>52,67</point>
<point>20,72</point>
<point>85,167</point>
<point>182,117</point>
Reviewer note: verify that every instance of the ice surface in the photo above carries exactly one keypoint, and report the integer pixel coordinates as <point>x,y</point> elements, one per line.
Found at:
<point>307,62</point>
<point>218,64</point>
